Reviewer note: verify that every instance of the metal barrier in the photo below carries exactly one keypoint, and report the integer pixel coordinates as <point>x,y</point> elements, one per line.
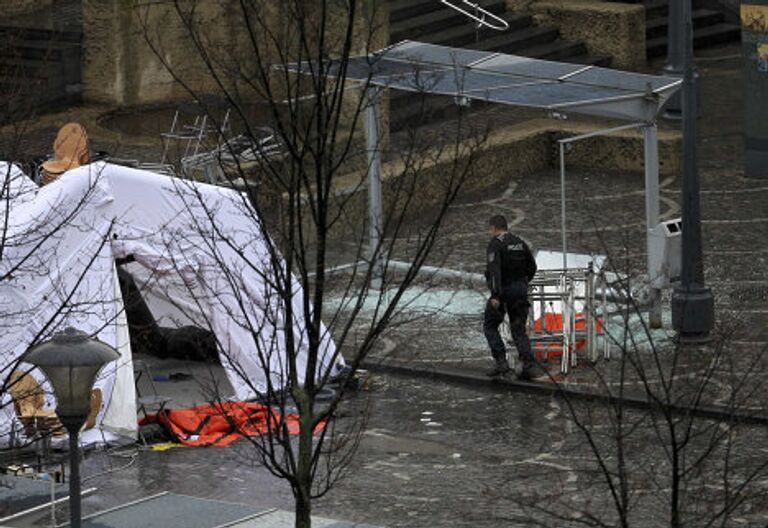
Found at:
<point>564,286</point>
<point>569,287</point>
<point>479,15</point>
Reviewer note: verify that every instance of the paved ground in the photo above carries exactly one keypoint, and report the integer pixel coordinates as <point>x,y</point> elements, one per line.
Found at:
<point>439,454</point>
<point>436,454</point>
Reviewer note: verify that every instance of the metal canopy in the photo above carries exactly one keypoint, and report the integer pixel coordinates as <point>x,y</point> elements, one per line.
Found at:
<point>510,79</point>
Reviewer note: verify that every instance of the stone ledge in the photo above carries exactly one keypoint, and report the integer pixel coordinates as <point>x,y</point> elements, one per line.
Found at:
<point>530,146</point>
<point>509,153</point>
<point>607,28</point>
<point>547,388</point>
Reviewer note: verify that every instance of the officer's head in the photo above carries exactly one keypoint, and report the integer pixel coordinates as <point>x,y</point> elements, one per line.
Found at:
<point>497,225</point>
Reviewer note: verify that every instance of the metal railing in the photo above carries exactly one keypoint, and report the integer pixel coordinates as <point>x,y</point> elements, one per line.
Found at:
<point>569,287</point>
<point>479,15</point>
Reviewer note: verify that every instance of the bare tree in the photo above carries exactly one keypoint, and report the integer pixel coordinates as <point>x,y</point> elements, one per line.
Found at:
<point>306,208</point>
<point>666,434</point>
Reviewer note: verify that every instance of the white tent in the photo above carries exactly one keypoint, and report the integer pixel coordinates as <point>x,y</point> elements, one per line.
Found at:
<point>199,253</point>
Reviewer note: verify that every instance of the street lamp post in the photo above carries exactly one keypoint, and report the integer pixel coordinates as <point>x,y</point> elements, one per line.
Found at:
<point>675,66</point>
<point>70,361</point>
<point>693,305</point>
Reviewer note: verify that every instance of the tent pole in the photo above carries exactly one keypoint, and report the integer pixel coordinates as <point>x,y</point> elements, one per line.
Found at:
<point>651,151</point>
<point>374,185</point>
<point>562,203</point>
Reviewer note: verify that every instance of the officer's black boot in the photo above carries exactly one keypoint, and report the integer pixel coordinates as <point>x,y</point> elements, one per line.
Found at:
<point>501,368</point>
<point>526,374</point>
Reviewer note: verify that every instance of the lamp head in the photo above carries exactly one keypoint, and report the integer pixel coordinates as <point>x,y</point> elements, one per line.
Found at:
<point>70,360</point>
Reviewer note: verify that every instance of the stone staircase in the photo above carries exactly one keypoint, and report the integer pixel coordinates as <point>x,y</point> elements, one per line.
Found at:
<point>711,26</point>
<point>39,63</point>
<point>430,21</point>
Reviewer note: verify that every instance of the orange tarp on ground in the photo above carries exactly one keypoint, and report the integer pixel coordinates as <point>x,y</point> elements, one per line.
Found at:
<point>553,322</point>
<point>220,424</point>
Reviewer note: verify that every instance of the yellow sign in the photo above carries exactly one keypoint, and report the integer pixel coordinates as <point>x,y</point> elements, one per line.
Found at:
<point>754,18</point>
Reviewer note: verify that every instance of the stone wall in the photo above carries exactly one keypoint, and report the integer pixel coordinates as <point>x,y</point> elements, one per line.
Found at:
<point>120,65</point>
<point>136,53</point>
<point>607,28</point>
<point>509,153</point>
<point>10,8</point>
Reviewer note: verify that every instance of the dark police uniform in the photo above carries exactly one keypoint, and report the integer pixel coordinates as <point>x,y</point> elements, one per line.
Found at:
<point>510,266</point>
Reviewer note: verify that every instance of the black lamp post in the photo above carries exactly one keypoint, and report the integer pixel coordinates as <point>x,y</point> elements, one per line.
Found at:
<point>675,66</point>
<point>693,306</point>
<point>70,361</point>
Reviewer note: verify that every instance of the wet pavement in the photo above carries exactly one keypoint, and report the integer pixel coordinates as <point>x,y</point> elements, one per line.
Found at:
<point>436,454</point>
<point>441,454</point>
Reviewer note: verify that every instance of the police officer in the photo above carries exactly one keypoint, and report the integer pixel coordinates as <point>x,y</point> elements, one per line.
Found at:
<point>509,267</point>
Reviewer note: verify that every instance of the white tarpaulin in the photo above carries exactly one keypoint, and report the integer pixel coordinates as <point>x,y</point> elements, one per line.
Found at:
<point>199,254</point>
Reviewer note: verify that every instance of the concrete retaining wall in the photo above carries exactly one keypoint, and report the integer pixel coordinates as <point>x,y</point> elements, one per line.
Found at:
<point>10,8</point>
<point>607,28</point>
<point>120,67</point>
<point>508,153</point>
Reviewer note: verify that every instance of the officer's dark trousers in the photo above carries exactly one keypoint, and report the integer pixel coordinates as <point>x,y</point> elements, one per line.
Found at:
<point>514,301</point>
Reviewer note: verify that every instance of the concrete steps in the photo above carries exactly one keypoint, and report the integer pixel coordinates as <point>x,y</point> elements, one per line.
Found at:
<point>437,20</point>
<point>465,35</point>
<point>39,63</point>
<point>703,37</point>
<point>430,21</point>
<point>711,26</point>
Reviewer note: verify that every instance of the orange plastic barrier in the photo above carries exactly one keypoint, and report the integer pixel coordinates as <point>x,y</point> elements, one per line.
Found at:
<point>221,424</point>
<point>553,322</point>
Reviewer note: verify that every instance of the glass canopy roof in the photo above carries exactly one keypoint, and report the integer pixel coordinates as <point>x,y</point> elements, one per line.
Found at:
<point>511,80</point>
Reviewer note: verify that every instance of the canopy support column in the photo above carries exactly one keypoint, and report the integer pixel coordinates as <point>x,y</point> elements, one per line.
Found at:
<point>373,143</point>
<point>651,152</point>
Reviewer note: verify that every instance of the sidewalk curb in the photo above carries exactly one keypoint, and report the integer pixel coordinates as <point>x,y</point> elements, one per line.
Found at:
<point>461,377</point>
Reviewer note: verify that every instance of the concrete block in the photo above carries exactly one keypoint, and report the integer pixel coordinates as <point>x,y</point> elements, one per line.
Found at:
<point>607,28</point>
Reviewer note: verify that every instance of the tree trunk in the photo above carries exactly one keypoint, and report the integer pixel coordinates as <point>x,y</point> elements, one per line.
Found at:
<point>303,488</point>
<point>303,510</point>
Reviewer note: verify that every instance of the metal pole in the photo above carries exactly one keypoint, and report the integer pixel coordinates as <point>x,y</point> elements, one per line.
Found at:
<point>591,313</point>
<point>74,473</point>
<point>651,148</point>
<point>604,312</point>
<point>562,204</point>
<point>692,303</point>
<point>572,324</point>
<point>565,359</point>
<point>675,65</point>
<point>374,185</point>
